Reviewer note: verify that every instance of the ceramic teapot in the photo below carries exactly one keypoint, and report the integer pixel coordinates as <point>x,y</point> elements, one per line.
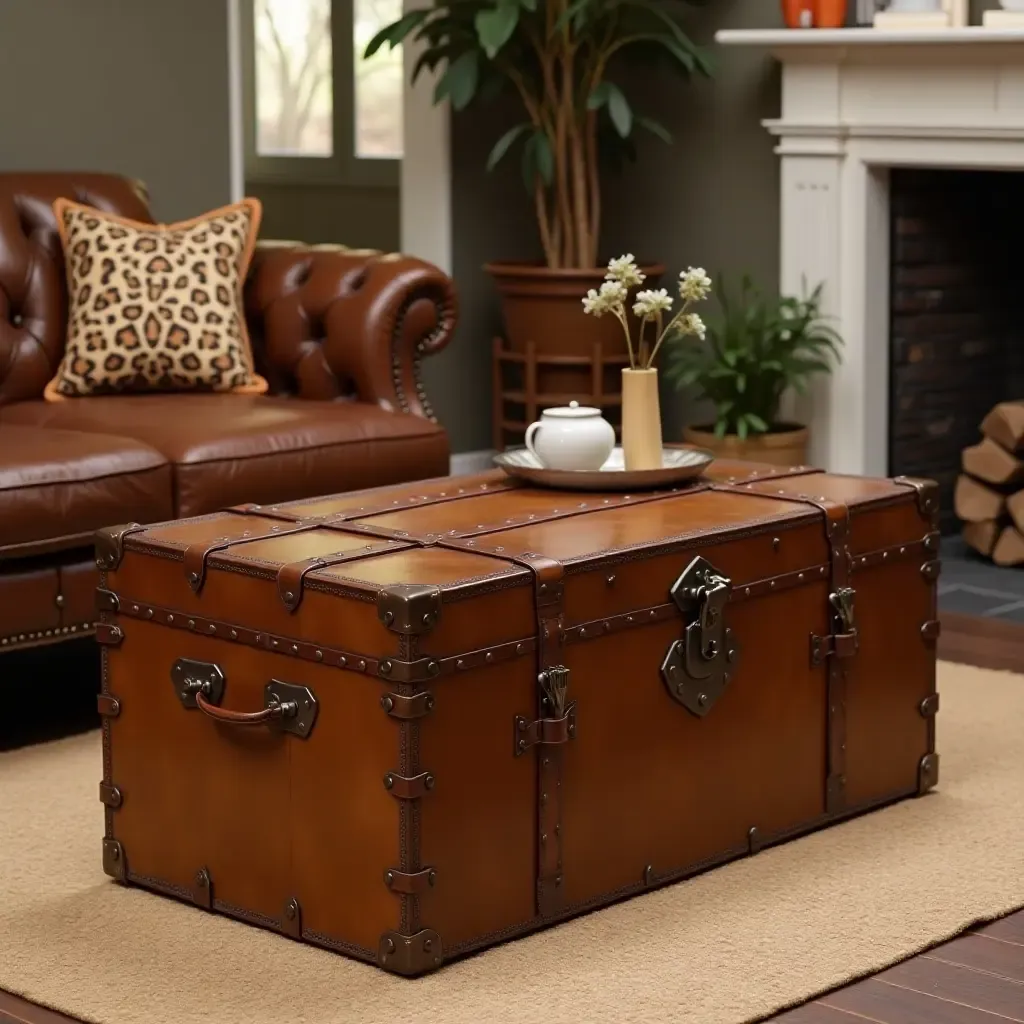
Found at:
<point>571,437</point>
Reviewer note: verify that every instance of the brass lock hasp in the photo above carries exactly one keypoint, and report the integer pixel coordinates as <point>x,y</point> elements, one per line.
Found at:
<point>697,668</point>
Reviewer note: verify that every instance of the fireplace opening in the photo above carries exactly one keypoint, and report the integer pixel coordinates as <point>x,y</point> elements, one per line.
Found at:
<point>956,337</point>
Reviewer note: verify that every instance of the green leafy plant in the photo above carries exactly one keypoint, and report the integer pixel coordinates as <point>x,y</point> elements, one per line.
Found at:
<point>563,60</point>
<point>758,349</point>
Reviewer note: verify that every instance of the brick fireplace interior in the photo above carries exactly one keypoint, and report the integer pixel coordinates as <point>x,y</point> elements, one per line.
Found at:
<point>956,315</point>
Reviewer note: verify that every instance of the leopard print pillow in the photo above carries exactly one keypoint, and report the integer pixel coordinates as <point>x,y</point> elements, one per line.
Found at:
<point>156,307</point>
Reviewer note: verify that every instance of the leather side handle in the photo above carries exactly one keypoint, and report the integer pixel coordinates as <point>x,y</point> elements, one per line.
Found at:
<point>276,709</point>
<point>287,707</point>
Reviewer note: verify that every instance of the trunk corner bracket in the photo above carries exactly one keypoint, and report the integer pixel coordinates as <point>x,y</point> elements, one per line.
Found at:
<point>698,668</point>
<point>108,545</point>
<point>926,492</point>
<point>410,955</point>
<point>927,773</point>
<point>409,608</point>
<point>113,860</point>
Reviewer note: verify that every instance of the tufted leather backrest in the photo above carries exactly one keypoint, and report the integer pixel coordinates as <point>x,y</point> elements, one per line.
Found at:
<point>33,297</point>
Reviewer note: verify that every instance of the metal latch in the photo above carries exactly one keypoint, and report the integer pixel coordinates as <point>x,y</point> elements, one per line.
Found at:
<point>697,668</point>
<point>844,642</point>
<point>559,726</point>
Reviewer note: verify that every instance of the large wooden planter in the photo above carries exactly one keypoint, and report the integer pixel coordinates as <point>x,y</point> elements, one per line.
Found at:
<point>786,445</point>
<point>544,308</point>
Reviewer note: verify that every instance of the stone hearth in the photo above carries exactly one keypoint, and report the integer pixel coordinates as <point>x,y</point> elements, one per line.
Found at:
<point>857,104</point>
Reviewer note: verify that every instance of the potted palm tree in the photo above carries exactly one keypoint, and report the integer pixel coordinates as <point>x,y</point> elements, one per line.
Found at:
<point>563,61</point>
<point>760,348</point>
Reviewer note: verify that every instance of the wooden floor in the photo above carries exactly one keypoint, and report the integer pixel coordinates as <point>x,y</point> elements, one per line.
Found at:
<point>976,979</point>
<point>987,643</point>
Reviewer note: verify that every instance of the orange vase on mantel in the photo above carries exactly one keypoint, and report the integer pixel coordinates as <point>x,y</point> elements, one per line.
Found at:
<point>798,13</point>
<point>815,13</point>
<point>830,13</point>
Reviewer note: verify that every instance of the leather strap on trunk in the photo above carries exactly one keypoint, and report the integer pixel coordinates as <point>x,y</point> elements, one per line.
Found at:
<point>548,575</point>
<point>196,555</point>
<point>840,645</point>
<point>291,577</point>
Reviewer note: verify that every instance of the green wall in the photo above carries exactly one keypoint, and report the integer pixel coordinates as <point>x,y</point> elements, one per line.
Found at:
<point>133,87</point>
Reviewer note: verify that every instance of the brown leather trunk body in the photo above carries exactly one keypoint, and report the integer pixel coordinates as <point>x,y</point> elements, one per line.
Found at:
<point>481,708</point>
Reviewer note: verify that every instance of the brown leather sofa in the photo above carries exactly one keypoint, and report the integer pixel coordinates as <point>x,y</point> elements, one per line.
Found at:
<point>338,333</point>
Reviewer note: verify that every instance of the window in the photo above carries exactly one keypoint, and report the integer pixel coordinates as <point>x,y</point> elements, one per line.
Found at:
<point>294,96</point>
<point>378,82</point>
<point>315,109</point>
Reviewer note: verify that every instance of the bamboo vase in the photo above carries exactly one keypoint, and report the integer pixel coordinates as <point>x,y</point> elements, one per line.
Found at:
<point>641,420</point>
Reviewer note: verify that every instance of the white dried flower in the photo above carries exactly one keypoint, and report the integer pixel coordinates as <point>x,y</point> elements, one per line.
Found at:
<point>691,323</point>
<point>625,271</point>
<point>650,303</point>
<point>694,284</point>
<point>611,295</point>
<point>593,304</point>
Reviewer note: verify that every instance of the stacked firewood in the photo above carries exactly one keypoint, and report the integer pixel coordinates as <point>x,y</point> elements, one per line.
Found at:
<point>989,495</point>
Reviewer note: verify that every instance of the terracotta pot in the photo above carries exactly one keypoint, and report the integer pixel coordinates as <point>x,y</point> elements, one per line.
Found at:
<point>545,307</point>
<point>830,13</point>
<point>785,445</point>
<point>641,420</point>
<point>798,13</point>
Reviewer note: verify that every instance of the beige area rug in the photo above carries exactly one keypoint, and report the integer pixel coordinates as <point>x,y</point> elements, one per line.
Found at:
<point>726,947</point>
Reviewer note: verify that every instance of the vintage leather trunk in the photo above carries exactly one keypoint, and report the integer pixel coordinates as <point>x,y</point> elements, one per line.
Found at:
<point>408,723</point>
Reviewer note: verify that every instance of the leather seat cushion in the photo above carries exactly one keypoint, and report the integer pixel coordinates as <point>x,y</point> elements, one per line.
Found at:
<point>57,487</point>
<point>230,449</point>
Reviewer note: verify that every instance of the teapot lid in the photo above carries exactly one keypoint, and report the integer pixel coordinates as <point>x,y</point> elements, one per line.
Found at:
<point>572,411</point>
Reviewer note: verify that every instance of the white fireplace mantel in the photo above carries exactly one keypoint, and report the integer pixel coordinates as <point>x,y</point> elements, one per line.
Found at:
<point>856,102</point>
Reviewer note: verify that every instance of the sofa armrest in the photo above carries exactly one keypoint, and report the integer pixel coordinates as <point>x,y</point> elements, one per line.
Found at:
<point>333,323</point>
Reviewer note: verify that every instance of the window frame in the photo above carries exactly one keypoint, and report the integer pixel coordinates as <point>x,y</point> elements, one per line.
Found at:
<point>343,168</point>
